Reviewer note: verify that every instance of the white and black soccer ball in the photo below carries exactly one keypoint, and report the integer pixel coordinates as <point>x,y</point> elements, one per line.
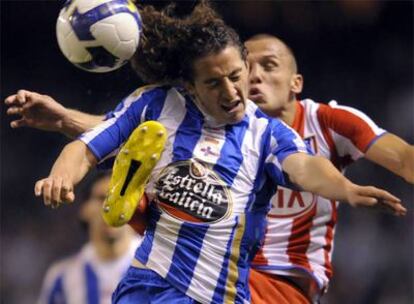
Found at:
<point>98,35</point>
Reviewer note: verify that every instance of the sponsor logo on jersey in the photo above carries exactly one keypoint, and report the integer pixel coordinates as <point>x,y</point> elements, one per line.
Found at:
<point>192,191</point>
<point>290,203</point>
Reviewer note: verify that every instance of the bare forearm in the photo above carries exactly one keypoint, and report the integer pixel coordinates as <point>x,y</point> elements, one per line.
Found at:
<point>71,166</point>
<point>408,166</point>
<point>45,113</point>
<point>319,176</point>
<point>74,162</point>
<point>75,122</point>
<point>394,154</point>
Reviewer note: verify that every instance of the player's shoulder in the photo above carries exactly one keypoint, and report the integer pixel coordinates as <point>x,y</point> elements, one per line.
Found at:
<point>311,106</point>
<point>60,267</point>
<point>329,105</point>
<point>153,89</point>
<point>330,110</point>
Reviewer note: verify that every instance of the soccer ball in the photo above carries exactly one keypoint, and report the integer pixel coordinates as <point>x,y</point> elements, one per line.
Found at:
<point>98,35</point>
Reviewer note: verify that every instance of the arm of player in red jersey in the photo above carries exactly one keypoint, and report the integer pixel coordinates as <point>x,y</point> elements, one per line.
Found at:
<point>385,149</point>
<point>71,166</point>
<point>394,154</point>
<point>44,113</point>
<point>318,175</point>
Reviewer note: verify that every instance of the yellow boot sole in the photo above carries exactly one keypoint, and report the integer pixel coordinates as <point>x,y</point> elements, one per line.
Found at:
<point>131,171</point>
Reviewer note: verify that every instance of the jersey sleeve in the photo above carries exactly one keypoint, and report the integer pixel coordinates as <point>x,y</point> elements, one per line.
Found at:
<point>119,109</point>
<point>126,102</point>
<point>353,132</point>
<point>284,141</point>
<point>105,139</point>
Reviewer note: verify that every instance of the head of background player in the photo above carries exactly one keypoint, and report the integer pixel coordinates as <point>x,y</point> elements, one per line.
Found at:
<point>108,241</point>
<point>274,78</point>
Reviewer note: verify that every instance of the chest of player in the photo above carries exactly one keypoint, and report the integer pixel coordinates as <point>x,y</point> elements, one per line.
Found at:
<point>287,203</point>
<point>206,176</point>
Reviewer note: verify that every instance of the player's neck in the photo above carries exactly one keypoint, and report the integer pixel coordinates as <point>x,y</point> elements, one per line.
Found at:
<point>288,112</point>
<point>112,250</point>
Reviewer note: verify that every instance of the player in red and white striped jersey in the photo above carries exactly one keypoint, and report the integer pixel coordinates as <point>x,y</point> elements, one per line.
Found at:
<point>296,254</point>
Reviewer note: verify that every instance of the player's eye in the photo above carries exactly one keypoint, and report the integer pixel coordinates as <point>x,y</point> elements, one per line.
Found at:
<point>235,78</point>
<point>270,65</point>
<point>212,83</point>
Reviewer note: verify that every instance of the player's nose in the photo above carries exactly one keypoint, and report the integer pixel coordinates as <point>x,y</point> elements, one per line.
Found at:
<point>254,74</point>
<point>229,91</point>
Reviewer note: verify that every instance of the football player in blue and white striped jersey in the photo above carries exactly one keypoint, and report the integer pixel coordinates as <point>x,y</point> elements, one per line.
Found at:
<point>91,275</point>
<point>223,158</point>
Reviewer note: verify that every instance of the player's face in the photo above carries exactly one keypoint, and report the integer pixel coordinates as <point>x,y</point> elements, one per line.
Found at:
<point>91,213</point>
<point>220,85</point>
<point>273,80</point>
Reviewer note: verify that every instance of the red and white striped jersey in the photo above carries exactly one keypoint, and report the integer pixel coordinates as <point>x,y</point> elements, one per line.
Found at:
<point>301,226</point>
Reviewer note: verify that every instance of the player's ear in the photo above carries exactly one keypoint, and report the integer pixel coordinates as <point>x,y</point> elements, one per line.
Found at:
<point>296,84</point>
<point>189,86</point>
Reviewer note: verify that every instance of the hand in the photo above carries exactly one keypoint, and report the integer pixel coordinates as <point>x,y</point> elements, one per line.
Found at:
<point>35,111</point>
<point>56,190</point>
<point>373,197</point>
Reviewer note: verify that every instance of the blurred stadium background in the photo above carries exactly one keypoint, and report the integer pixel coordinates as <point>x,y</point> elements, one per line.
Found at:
<point>359,53</point>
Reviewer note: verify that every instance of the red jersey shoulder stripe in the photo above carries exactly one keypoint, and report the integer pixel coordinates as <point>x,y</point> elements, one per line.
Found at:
<point>349,123</point>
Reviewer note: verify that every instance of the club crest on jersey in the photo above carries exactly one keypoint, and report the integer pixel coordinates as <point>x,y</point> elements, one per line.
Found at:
<point>288,203</point>
<point>310,141</point>
<point>191,191</point>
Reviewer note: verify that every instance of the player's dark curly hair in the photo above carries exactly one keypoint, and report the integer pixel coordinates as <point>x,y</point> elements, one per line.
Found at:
<point>169,45</point>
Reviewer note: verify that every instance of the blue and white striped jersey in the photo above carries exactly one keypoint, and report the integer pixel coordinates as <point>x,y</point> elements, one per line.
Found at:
<point>210,189</point>
<point>84,278</point>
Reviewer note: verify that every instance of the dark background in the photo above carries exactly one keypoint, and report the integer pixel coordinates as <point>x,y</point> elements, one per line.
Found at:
<point>359,53</point>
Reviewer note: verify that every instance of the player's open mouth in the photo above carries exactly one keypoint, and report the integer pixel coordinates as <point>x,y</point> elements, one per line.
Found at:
<point>256,95</point>
<point>232,107</point>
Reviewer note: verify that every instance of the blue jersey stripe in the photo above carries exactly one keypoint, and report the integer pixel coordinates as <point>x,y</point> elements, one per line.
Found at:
<point>144,250</point>
<point>262,198</point>
<point>187,135</point>
<point>222,280</point>
<point>154,108</point>
<point>57,294</point>
<point>287,143</point>
<point>113,136</point>
<point>285,138</point>
<point>277,175</point>
<point>188,248</point>
<point>231,157</point>
<point>91,285</point>
<point>242,288</point>
<point>118,108</point>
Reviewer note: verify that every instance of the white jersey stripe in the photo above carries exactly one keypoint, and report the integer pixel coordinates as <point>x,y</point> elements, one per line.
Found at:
<point>198,188</point>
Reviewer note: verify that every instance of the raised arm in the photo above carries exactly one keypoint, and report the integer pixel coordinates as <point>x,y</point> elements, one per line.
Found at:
<point>318,175</point>
<point>385,149</point>
<point>71,166</point>
<point>394,154</point>
<point>44,113</point>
